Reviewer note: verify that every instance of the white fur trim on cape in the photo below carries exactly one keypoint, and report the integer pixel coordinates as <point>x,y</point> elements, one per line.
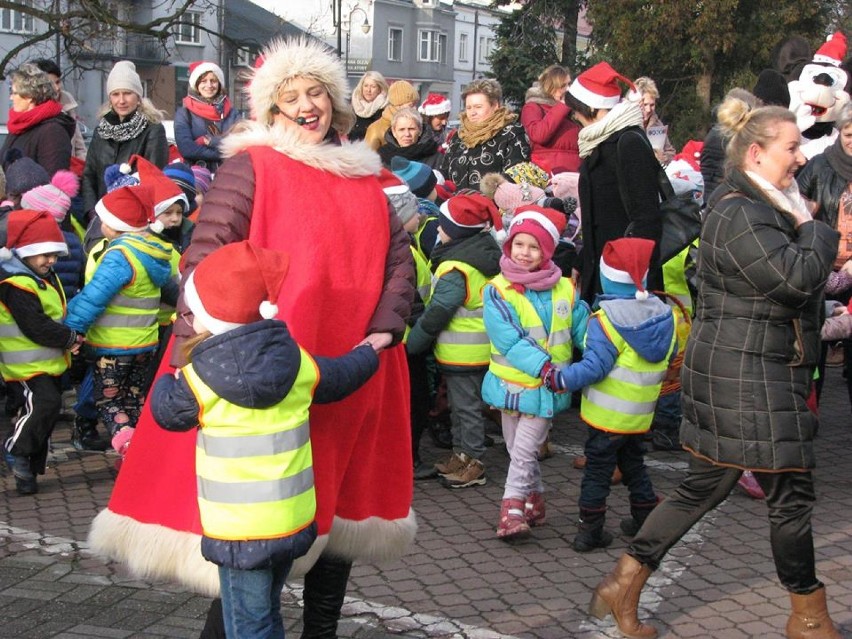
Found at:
<point>154,552</point>
<point>350,159</point>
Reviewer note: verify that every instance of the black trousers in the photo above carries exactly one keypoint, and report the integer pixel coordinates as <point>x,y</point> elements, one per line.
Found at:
<point>789,497</point>
<point>40,400</point>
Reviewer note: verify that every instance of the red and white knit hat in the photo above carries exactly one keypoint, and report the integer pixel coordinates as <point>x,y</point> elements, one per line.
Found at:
<point>544,224</point>
<point>435,104</point>
<point>235,285</point>
<point>598,87</point>
<point>626,261</point>
<point>55,198</point>
<point>200,68</point>
<point>32,233</point>
<point>833,51</point>
<point>127,208</point>
<point>467,214</point>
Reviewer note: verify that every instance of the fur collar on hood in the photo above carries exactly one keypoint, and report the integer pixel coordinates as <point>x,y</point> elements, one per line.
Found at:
<point>537,95</point>
<point>347,159</point>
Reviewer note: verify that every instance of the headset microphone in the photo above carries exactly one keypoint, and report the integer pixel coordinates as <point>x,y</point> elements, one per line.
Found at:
<point>300,121</point>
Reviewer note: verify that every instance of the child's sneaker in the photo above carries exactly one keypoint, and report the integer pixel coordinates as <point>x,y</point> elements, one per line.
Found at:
<point>473,474</point>
<point>452,464</point>
<point>25,481</point>
<point>121,441</point>
<point>513,524</point>
<point>534,510</point>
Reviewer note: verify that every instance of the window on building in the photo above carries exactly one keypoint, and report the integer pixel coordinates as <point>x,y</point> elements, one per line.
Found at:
<point>394,44</point>
<point>16,21</point>
<point>463,45</point>
<point>187,31</point>
<point>433,46</point>
<point>243,58</point>
<point>486,46</point>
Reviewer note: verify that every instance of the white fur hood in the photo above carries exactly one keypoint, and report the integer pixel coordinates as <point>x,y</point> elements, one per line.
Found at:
<point>349,159</point>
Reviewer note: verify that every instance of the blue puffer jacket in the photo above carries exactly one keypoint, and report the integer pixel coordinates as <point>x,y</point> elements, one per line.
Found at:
<point>510,338</point>
<point>255,366</point>
<point>114,272</point>
<point>69,268</point>
<point>189,127</point>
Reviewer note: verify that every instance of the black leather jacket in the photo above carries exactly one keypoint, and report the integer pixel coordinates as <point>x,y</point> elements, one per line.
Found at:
<point>821,183</point>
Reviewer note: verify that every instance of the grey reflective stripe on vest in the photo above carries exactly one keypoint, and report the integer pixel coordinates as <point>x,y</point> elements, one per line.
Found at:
<point>447,337</point>
<point>537,333</point>
<point>635,377</point>
<point>254,446</point>
<point>617,404</point>
<point>423,291</point>
<point>10,331</point>
<point>253,492</point>
<point>111,320</point>
<point>33,355</point>
<point>462,312</point>
<point>141,303</point>
<point>560,337</point>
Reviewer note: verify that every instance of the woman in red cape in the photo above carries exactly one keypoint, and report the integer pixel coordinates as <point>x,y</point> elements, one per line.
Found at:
<point>290,184</point>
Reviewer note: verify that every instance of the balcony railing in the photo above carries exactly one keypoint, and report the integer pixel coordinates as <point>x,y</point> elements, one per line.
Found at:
<point>143,49</point>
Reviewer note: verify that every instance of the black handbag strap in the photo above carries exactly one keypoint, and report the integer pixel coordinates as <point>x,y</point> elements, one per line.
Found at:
<point>664,186</point>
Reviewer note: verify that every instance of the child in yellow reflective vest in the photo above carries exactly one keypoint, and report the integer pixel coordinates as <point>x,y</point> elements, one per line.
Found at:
<point>466,259</point>
<point>248,389</point>
<point>533,317</point>
<point>630,341</point>
<point>34,344</point>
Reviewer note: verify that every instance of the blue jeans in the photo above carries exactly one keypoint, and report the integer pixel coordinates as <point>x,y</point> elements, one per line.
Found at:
<point>251,600</point>
<point>604,451</point>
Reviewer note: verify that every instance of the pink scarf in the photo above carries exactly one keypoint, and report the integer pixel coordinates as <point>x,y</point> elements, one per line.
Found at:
<point>543,279</point>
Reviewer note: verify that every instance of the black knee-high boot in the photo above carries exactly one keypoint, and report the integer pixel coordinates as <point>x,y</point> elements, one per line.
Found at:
<point>325,588</point>
<point>214,626</point>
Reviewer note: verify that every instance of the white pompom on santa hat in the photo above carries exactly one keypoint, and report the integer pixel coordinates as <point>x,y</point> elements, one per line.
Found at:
<point>627,261</point>
<point>198,69</point>
<point>598,87</point>
<point>236,285</point>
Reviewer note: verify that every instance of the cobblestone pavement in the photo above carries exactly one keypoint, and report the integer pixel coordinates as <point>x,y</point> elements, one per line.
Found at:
<point>458,580</point>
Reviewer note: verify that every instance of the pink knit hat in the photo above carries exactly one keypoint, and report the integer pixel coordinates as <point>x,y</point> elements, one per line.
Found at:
<point>55,198</point>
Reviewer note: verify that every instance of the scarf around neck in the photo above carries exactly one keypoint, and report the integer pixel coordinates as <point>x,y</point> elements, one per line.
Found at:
<point>476,133</point>
<point>123,131</point>
<point>544,279</point>
<point>214,111</point>
<point>839,160</point>
<point>621,116</point>
<point>20,121</point>
<point>789,200</point>
<point>364,109</point>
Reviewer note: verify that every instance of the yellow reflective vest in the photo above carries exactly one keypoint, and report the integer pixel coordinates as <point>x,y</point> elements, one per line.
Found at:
<point>464,341</point>
<point>254,466</point>
<point>168,313</point>
<point>557,342</point>
<point>130,319</point>
<point>423,274</point>
<point>674,278</point>
<point>624,401</point>
<point>20,357</point>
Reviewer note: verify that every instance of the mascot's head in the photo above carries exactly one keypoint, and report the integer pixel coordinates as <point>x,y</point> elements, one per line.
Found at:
<point>820,92</point>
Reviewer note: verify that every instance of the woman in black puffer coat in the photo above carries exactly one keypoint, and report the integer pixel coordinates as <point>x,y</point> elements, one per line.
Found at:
<point>748,369</point>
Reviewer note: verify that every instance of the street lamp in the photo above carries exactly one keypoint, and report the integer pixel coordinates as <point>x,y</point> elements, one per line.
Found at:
<point>365,27</point>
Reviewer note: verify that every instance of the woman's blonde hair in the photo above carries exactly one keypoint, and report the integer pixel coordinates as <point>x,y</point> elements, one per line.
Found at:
<point>646,85</point>
<point>409,113</point>
<point>553,77</point>
<point>146,108</point>
<point>376,77</point>
<point>488,87</point>
<point>744,125</point>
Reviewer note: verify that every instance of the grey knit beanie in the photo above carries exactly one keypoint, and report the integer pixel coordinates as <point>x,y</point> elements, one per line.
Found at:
<point>124,76</point>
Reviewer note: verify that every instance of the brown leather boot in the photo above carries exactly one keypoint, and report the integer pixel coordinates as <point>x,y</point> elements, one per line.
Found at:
<point>809,619</point>
<point>619,594</point>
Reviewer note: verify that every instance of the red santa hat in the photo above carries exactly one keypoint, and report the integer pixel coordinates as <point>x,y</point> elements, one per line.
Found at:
<point>198,69</point>
<point>467,214</point>
<point>165,191</point>
<point>235,285</point>
<point>598,87</point>
<point>833,51</point>
<point>128,208</point>
<point>626,261</point>
<point>30,233</point>
<point>435,104</point>
<point>546,225</point>
<point>691,153</point>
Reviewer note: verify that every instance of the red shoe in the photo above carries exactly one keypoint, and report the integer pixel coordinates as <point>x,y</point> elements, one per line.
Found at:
<point>513,523</point>
<point>748,484</point>
<point>534,510</point>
